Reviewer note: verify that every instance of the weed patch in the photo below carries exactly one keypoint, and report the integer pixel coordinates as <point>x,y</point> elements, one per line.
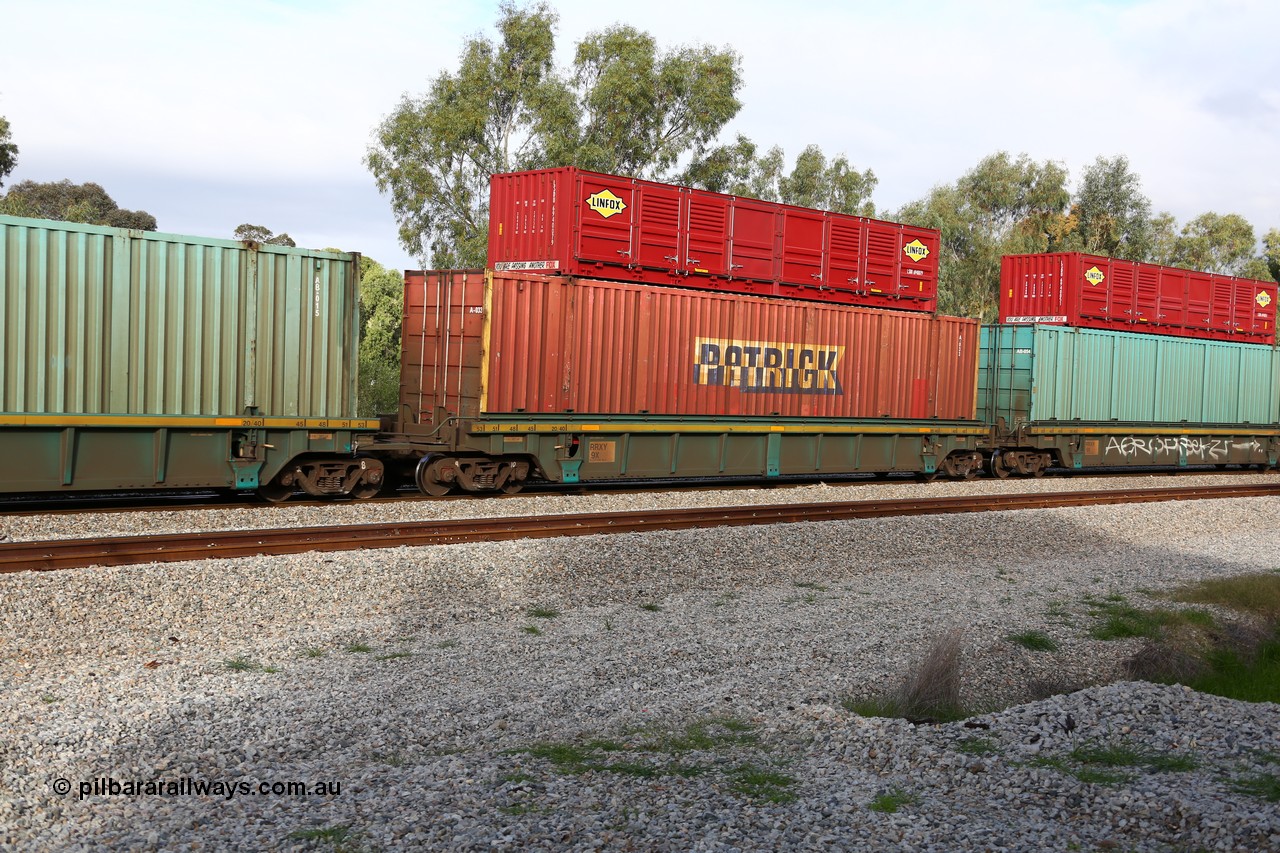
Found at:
<point>1036,641</point>
<point>930,690</point>
<point>890,801</point>
<point>652,752</point>
<point>978,746</point>
<point>543,612</point>
<point>1103,764</point>
<point>341,838</point>
<point>1265,786</point>
<point>760,783</point>
<point>241,664</point>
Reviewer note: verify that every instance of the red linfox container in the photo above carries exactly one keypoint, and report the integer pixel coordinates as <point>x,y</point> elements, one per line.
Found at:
<point>507,343</point>
<point>1094,292</point>
<point>587,224</point>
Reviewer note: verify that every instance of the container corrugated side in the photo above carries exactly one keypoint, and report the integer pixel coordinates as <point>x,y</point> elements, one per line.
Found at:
<point>1091,291</point>
<point>1033,374</point>
<point>97,320</point>
<point>555,344</point>
<point>588,224</point>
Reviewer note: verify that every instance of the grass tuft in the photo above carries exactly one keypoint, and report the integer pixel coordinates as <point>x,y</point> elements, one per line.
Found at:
<point>1256,594</point>
<point>651,607</point>
<point>978,746</point>
<point>890,801</point>
<point>759,783</point>
<point>532,630</point>
<point>1265,786</point>
<point>313,653</point>
<point>340,837</point>
<point>1036,641</point>
<point>930,690</point>
<point>241,664</point>
<point>543,612</point>
<point>359,648</point>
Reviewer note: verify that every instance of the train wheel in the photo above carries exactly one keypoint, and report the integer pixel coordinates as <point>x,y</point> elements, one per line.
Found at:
<point>276,492</point>
<point>998,468</point>
<point>512,487</point>
<point>364,491</point>
<point>431,476</point>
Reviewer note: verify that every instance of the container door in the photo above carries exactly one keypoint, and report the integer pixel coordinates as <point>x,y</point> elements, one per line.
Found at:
<point>606,207</point>
<point>1146,290</point>
<point>1264,308</point>
<point>753,238</point>
<point>1222,321</point>
<point>1172,294</point>
<point>660,230</point>
<point>1199,289</point>
<point>918,268</point>
<point>846,256</point>
<point>881,278</point>
<point>1094,284</point>
<point>707,240</point>
<point>803,242</point>
<point>1122,287</point>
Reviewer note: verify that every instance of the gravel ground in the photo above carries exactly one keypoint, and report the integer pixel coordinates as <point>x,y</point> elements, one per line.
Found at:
<point>682,690</point>
<point>132,523</point>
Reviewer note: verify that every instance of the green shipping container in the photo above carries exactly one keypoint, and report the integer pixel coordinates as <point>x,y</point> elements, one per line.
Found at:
<point>97,320</point>
<point>1035,374</point>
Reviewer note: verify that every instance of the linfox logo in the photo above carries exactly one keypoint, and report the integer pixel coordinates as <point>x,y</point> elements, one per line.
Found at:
<point>759,367</point>
<point>1263,299</point>
<point>916,251</point>
<point>1094,276</point>
<point>606,203</point>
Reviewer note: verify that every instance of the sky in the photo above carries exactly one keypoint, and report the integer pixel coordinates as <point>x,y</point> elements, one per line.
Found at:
<point>212,114</point>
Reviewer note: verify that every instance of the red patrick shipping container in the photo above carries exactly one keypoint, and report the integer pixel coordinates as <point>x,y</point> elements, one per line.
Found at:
<point>1094,292</point>
<point>587,224</point>
<point>480,343</point>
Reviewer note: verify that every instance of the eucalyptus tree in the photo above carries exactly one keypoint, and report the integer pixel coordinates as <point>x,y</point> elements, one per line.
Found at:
<point>624,106</point>
<point>8,151</point>
<point>814,181</point>
<point>67,202</point>
<point>1001,206</point>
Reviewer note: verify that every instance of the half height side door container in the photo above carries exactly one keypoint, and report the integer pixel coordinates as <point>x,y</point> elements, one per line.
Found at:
<point>1037,374</point>
<point>1091,291</point>
<point>97,320</point>
<point>508,343</point>
<point>587,224</point>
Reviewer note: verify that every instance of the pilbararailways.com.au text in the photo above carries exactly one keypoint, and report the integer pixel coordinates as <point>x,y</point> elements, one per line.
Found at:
<point>187,786</point>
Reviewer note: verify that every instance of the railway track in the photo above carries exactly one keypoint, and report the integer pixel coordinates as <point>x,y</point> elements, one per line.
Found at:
<point>73,504</point>
<point>120,551</point>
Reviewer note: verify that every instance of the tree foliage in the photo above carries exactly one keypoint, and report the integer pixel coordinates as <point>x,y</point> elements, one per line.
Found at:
<point>1110,215</point>
<point>381,304</point>
<point>67,202</point>
<point>1216,243</point>
<point>8,151</point>
<point>261,234</point>
<point>1010,206</point>
<point>1002,206</point>
<point>625,106</point>
<point>739,169</point>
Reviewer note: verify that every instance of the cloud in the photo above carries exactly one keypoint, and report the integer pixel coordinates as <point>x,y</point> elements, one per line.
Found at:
<point>208,115</point>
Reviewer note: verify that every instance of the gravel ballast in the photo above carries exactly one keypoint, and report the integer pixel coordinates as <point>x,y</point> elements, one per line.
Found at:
<point>675,690</point>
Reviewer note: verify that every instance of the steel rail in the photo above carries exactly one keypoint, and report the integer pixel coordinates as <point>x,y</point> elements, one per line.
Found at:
<point>65,503</point>
<point>130,550</point>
